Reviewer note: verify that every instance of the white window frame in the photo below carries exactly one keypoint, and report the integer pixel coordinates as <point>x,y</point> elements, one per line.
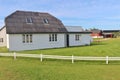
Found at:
<point>27,38</point>
<point>53,37</point>
<point>46,21</point>
<point>29,20</point>
<point>77,37</point>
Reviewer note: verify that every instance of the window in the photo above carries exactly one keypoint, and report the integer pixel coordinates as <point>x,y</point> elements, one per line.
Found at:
<point>77,37</point>
<point>27,38</point>
<point>30,38</point>
<point>23,38</point>
<point>1,40</point>
<point>52,37</point>
<point>55,37</point>
<point>29,20</point>
<point>46,21</point>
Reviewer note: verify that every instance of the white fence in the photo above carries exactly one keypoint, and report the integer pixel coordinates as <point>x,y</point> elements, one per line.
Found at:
<point>72,58</point>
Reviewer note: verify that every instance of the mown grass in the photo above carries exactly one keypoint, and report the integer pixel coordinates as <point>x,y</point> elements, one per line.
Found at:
<point>33,69</point>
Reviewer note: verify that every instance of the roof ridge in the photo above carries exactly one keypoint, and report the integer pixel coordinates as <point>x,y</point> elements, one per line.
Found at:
<point>31,11</point>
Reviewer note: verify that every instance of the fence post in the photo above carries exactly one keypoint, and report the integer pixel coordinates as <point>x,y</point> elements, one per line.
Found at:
<point>14,56</point>
<point>72,59</point>
<point>107,61</point>
<point>41,56</point>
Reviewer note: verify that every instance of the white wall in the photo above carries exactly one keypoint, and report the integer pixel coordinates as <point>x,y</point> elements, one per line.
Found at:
<point>85,39</point>
<point>3,35</point>
<point>7,40</point>
<point>40,41</point>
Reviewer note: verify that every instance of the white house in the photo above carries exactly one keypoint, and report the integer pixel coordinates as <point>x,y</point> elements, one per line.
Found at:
<point>3,37</point>
<point>26,30</point>
<point>76,36</point>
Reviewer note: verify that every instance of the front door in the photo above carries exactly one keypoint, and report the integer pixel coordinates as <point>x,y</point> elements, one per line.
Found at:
<point>67,40</point>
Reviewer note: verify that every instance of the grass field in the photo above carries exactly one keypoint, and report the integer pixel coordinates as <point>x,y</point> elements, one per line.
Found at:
<point>33,69</point>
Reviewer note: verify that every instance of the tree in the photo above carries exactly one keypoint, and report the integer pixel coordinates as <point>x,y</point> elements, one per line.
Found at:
<point>117,34</point>
<point>94,29</point>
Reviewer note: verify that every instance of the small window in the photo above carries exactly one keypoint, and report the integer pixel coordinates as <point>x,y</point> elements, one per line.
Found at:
<point>77,37</point>
<point>46,21</point>
<point>29,20</point>
<point>27,38</point>
<point>52,37</point>
<point>23,38</point>
<point>55,37</point>
<point>30,38</point>
<point>1,40</point>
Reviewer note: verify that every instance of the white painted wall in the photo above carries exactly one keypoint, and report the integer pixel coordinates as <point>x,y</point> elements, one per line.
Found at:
<point>3,35</point>
<point>85,39</point>
<point>7,40</point>
<point>40,41</point>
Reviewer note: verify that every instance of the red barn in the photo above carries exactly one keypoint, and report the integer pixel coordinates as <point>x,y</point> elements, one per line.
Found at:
<point>97,34</point>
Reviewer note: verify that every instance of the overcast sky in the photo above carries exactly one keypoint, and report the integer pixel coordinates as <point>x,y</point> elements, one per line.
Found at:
<point>101,14</point>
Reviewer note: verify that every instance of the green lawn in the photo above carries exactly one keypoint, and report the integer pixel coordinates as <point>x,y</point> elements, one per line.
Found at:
<point>33,69</point>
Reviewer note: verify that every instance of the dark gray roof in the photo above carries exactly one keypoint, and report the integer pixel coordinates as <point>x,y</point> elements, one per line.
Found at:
<point>110,31</point>
<point>82,32</point>
<point>74,28</point>
<point>16,23</point>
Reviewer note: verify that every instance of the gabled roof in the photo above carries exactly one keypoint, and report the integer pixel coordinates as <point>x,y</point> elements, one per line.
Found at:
<point>2,28</point>
<point>74,28</point>
<point>16,23</point>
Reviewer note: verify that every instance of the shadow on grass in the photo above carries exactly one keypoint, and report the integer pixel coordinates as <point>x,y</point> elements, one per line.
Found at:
<point>98,43</point>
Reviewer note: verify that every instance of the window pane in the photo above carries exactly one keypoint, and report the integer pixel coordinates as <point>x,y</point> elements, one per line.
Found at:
<point>23,38</point>
<point>2,40</point>
<point>30,38</point>
<point>50,37</point>
<point>55,37</point>
<point>46,21</point>
<point>27,38</point>
<point>29,20</point>
<point>76,37</point>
